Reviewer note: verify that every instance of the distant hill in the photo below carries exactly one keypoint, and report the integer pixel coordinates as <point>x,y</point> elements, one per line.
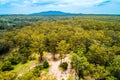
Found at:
<point>51,13</point>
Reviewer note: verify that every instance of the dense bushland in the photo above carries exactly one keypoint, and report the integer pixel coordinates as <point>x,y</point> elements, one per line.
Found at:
<point>93,44</point>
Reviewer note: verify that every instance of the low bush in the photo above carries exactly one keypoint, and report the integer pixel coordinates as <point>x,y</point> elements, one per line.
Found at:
<point>64,65</point>
<point>45,64</point>
<point>7,66</point>
<point>40,67</point>
<point>23,59</point>
<point>37,72</point>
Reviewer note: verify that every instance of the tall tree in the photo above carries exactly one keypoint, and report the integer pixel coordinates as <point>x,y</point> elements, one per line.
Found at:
<point>79,63</point>
<point>38,44</point>
<point>52,42</point>
<point>62,48</point>
<point>98,54</point>
<point>115,67</point>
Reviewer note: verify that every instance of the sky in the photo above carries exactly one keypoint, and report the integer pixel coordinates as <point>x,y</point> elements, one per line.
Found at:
<point>72,6</point>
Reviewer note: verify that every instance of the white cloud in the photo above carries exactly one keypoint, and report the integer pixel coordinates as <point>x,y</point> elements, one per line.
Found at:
<point>55,2</point>
<point>81,2</point>
<point>83,6</point>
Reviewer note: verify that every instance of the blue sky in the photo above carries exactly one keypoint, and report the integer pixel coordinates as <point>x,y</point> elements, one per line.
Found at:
<point>73,6</point>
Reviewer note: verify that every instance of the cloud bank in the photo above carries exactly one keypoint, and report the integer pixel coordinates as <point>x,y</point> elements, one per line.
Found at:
<point>74,6</point>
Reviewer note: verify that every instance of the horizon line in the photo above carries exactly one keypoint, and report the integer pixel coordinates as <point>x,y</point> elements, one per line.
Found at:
<point>68,13</point>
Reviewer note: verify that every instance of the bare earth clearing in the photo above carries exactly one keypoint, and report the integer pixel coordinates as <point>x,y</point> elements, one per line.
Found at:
<point>55,70</point>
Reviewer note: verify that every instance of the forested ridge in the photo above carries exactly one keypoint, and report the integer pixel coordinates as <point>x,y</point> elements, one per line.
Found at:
<point>92,41</point>
<point>10,22</point>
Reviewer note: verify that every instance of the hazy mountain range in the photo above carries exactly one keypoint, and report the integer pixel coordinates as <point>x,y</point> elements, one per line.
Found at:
<point>52,13</point>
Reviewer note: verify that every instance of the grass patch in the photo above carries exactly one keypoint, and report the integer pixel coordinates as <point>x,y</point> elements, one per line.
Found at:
<point>21,67</point>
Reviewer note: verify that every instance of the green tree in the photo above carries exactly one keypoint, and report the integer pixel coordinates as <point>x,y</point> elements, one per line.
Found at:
<point>115,67</point>
<point>14,58</point>
<point>38,44</point>
<point>79,63</point>
<point>7,75</point>
<point>97,72</point>
<point>62,48</point>
<point>98,54</point>
<point>52,42</point>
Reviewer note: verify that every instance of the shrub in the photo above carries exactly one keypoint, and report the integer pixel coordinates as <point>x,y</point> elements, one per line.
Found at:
<point>14,59</point>
<point>64,65</point>
<point>27,76</point>
<point>7,66</point>
<point>45,64</point>
<point>40,67</point>
<point>4,46</point>
<point>31,58</point>
<point>8,75</point>
<point>23,59</point>
<point>36,72</point>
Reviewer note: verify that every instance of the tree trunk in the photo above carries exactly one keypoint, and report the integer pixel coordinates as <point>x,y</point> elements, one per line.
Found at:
<point>61,60</point>
<point>54,57</point>
<point>41,55</point>
<point>60,57</point>
<point>41,59</point>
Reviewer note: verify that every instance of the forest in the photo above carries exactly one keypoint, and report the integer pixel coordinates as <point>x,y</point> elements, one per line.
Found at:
<point>92,41</point>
